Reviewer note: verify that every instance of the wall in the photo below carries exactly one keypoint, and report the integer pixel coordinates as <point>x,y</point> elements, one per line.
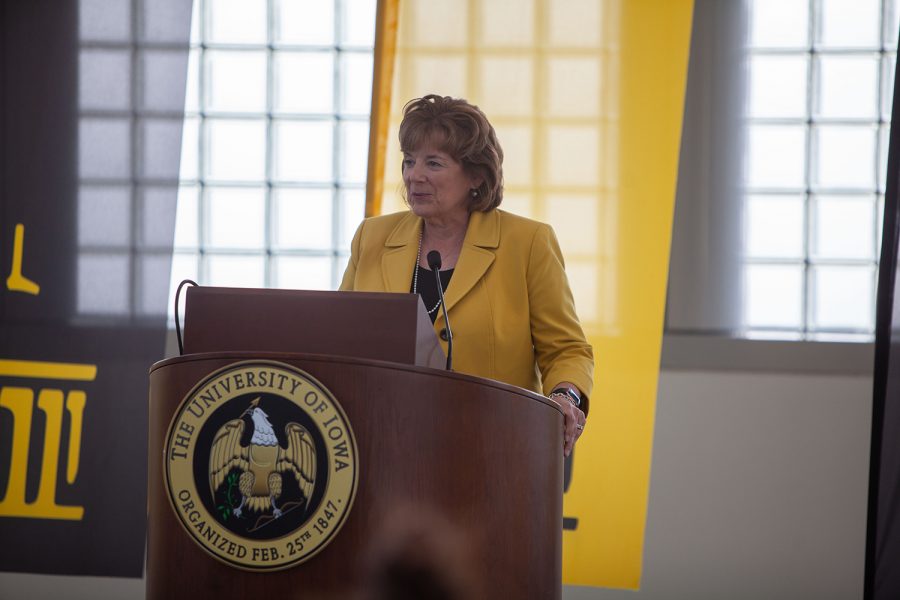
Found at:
<point>758,490</point>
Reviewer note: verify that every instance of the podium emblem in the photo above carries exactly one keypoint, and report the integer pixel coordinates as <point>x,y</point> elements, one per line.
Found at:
<point>261,465</point>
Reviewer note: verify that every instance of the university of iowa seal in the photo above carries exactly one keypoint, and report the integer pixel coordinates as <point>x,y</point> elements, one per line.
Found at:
<point>261,465</point>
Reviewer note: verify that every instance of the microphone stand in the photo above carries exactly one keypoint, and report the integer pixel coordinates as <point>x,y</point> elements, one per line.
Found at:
<point>434,263</point>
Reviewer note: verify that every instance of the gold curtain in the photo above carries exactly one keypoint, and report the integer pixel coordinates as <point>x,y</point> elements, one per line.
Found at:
<point>587,98</point>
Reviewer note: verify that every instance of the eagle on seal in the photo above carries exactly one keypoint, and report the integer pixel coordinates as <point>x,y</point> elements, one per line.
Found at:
<point>262,461</point>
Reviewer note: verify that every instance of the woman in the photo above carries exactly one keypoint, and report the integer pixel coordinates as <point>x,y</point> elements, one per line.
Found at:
<point>505,284</point>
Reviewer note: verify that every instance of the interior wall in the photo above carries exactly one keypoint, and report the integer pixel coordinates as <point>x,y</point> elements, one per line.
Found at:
<point>758,490</point>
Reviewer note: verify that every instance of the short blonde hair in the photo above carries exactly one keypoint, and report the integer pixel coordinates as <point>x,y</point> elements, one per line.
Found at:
<point>461,130</point>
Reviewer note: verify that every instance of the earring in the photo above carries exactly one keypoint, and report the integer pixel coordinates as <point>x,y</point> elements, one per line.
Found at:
<point>474,193</point>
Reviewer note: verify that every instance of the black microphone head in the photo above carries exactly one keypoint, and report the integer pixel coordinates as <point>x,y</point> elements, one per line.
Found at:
<point>434,260</point>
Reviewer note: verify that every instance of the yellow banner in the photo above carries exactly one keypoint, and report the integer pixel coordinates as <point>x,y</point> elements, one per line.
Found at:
<point>587,99</point>
<point>611,481</point>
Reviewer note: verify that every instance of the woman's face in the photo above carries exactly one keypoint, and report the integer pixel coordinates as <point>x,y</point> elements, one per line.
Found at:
<point>437,186</point>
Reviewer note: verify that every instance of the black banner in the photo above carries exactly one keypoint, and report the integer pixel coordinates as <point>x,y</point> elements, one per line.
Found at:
<point>882,573</point>
<point>90,129</point>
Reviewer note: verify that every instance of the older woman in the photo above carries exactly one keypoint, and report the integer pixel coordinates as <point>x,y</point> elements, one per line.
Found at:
<point>506,291</point>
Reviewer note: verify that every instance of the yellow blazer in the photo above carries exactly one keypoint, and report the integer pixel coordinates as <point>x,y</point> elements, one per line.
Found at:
<point>511,309</point>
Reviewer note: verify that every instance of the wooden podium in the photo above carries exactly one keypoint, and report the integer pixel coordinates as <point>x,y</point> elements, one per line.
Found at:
<point>485,455</point>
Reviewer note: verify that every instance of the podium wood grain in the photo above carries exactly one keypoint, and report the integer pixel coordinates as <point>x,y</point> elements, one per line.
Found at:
<point>488,456</point>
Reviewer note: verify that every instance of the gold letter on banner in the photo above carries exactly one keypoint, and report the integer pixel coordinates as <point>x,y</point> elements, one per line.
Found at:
<point>587,99</point>
<point>51,402</point>
<point>16,282</point>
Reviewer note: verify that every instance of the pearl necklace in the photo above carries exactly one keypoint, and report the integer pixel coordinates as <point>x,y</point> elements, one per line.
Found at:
<point>416,276</point>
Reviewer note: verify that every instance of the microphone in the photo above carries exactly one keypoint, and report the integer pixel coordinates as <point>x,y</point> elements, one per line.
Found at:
<point>434,263</point>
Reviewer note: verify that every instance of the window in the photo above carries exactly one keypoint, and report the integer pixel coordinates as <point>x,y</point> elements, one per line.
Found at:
<point>820,85</point>
<point>275,142</point>
<point>781,176</point>
<point>131,65</point>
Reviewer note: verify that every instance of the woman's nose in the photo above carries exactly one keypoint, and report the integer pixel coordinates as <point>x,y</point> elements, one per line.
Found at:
<point>415,173</point>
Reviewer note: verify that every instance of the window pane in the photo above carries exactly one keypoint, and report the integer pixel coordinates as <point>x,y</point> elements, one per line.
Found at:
<point>101,20</point>
<point>163,86</point>
<point>509,23</point>
<point>158,137</point>
<point>304,82</point>
<point>195,24</point>
<point>506,88</point>
<point>235,271</point>
<point>443,25</point>
<point>356,83</point>
<point>573,86</point>
<point>236,21</point>
<point>187,218</point>
<point>104,148</point>
<point>157,19</point>
<point>303,151</point>
<point>301,219</point>
<point>520,204</point>
<point>151,297</point>
<point>581,26</point>
<point>303,272</point>
<point>574,217</point>
<point>774,296</point>
<point>192,86</point>
<point>304,22</point>
<point>353,207</point>
<point>845,157</point>
<point>586,289</point>
<point>573,155</point>
<point>444,72</point>
<point>236,150</point>
<point>848,86</point>
<point>843,227</point>
<point>104,216</point>
<point>190,143</point>
<point>256,187</point>
<point>236,81</point>
<point>518,149</point>
<point>777,156</point>
<point>157,216</point>
<point>843,297</point>
<point>235,218</point>
<point>358,22</point>
<point>850,23</point>
<point>104,283</point>
<point>891,23</point>
<point>778,86</point>
<point>774,226</point>
<point>779,23</point>
<point>104,79</point>
<point>887,87</point>
<point>354,151</point>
